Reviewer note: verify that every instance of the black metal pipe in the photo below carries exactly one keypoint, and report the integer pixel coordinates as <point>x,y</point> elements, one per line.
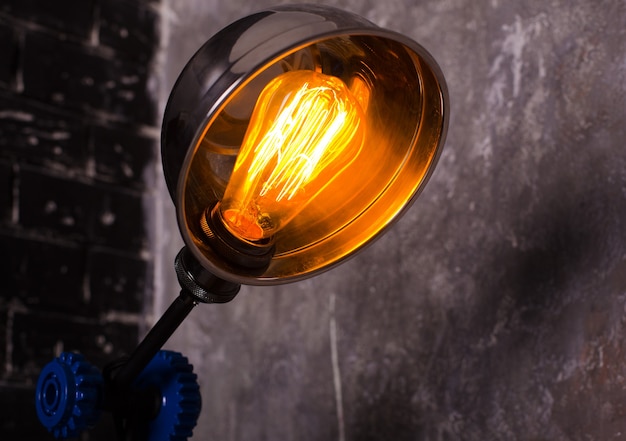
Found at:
<point>198,286</point>
<point>154,340</point>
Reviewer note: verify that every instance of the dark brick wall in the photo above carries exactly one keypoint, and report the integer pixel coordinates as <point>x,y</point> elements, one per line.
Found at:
<point>78,140</point>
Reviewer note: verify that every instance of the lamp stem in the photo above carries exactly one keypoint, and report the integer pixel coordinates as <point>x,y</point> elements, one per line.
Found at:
<point>198,286</point>
<point>155,339</point>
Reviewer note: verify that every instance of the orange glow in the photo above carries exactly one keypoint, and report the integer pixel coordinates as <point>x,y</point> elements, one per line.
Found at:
<point>306,128</point>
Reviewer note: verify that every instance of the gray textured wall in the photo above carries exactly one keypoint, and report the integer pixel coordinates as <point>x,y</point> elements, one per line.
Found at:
<point>496,308</point>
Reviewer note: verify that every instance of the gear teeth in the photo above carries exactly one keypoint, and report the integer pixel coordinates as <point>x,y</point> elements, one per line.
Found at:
<point>68,395</point>
<point>172,373</point>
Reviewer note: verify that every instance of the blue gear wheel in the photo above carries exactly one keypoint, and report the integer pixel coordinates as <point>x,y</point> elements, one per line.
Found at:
<point>68,395</point>
<point>180,402</point>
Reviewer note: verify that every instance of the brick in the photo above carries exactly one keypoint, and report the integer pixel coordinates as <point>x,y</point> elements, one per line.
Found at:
<point>73,17</point>
<point>124,158</point>
<point>127,229</point>
<point>3,339</point>
<point>19,420</point>
<point>8,55</point>
<point>94,214</point>
<point>119,221</point>
<point>44,276</point>
<point>130,27</point>
<point>37,338</point>
<point>6,190</point>
<point>54,204</point>
<point>68,74</point>
<point>117,282</point>
<point>40,135</point>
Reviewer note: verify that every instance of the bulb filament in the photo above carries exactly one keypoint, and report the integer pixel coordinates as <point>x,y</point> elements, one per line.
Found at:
<point>306,128</point>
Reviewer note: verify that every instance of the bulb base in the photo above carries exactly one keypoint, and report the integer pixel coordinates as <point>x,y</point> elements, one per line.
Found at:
<point>254,257</point>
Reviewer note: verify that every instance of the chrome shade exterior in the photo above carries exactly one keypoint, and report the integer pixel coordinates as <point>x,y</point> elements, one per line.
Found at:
<point>204,122</point>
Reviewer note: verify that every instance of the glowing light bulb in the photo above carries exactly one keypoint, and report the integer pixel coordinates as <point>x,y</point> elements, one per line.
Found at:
<point>306,128</point>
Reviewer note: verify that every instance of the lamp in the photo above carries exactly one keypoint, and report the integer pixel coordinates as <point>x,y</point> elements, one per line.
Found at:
<point>402,99</point>
<point>291,139</point>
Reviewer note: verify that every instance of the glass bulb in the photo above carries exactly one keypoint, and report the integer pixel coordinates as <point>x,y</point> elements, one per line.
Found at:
<point>306,128</point>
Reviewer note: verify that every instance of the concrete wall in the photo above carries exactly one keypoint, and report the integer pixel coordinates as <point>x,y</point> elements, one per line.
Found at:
<point>495,309</point>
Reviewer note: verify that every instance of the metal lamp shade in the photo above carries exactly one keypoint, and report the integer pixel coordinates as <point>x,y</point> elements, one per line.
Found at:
<point>404,99</point>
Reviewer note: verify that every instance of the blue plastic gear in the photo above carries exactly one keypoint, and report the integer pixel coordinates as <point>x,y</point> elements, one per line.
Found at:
<point>68,395</point>
<point>180,402</point>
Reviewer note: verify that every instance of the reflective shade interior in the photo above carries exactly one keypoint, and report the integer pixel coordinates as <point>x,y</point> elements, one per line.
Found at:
<point>403,107</point>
